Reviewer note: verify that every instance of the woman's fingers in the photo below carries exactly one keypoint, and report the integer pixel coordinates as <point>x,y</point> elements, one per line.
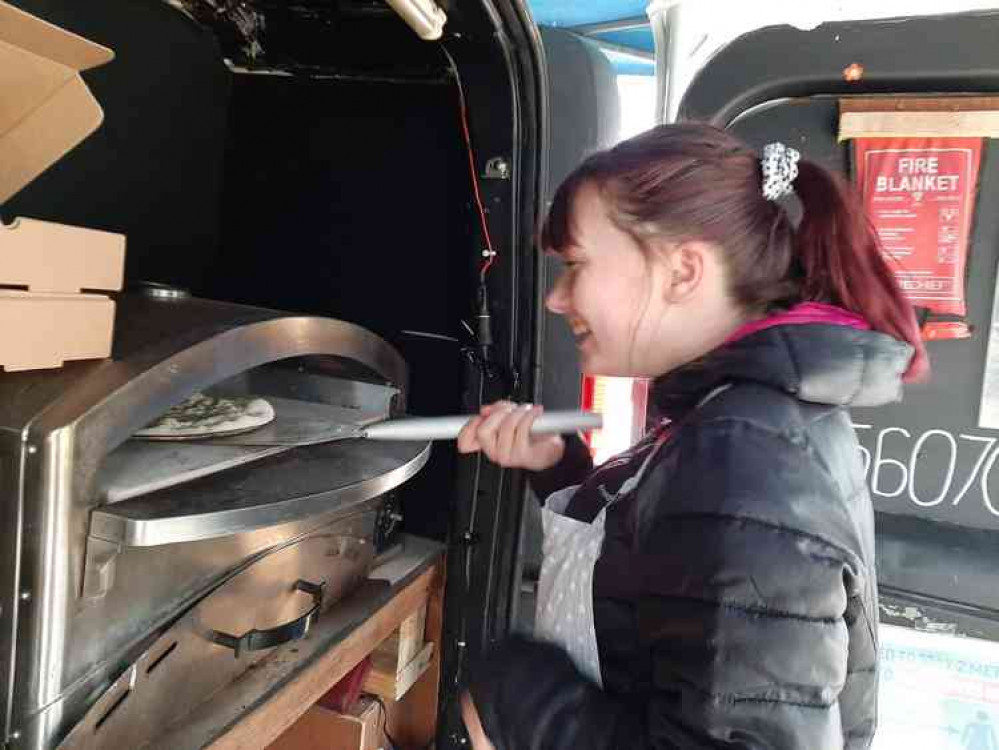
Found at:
<point>488,409</point>
<point>503,432</point>
<point>489,430</point>
<point>468,438</point>
<point>511,448</point>
<point>521,442</point>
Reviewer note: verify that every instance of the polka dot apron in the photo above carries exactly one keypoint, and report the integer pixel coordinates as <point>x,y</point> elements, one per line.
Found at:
<point>565,587</point>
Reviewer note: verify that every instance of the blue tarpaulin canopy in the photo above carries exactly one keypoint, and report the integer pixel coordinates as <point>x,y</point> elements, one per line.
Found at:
<point>620,27</point>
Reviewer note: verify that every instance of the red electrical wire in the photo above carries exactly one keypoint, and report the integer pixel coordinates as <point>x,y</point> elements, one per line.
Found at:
<point>491,253</point>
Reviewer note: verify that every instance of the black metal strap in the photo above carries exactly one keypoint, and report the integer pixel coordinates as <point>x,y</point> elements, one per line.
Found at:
<point>257,640</point>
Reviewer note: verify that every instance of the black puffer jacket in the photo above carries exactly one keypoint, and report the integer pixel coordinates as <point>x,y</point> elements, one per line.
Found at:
<point>735,598</point>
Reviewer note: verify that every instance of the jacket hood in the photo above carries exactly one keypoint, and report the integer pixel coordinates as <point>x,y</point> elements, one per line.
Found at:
<point>818,363</point>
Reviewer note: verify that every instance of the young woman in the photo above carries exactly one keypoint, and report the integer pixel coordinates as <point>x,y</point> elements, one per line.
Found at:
<point>713,587</point>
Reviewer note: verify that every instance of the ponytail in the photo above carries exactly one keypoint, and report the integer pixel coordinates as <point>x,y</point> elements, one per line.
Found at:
<point>841,261</point>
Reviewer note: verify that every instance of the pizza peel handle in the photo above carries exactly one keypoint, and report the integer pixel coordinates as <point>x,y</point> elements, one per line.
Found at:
<point>300,423</point>
<point>447,428</point>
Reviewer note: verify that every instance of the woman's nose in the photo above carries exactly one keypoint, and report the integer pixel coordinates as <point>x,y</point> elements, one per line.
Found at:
<point>557,300</point>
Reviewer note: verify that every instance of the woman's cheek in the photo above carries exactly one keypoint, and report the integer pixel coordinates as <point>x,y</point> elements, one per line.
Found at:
<point>585,293</point>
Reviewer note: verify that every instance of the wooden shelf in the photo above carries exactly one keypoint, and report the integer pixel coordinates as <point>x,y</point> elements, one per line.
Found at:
<point>256,709</point>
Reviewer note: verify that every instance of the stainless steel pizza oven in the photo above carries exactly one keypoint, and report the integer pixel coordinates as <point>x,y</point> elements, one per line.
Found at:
<point>192,557</point>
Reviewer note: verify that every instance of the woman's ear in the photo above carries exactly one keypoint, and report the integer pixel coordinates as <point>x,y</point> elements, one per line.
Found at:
<point>685,267</point>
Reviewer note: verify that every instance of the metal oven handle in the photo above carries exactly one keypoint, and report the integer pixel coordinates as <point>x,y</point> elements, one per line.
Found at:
<point>257,640</point>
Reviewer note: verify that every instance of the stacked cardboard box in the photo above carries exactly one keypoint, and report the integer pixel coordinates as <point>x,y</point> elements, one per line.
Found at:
<point>45,110</point>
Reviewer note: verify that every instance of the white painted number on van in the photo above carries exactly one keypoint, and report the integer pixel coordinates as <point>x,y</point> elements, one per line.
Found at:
<point>948,479</point>
<point>892,467</point>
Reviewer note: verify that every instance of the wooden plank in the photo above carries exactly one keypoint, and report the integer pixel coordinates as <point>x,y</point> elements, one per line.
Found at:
<point>265,723</point>
<point>903,116</point>
<point>400,648</point>
<point>322,729</point>
<point>413,720</point>
<point>920,104</point>
<point>391,684</point>
<point>939,124</point>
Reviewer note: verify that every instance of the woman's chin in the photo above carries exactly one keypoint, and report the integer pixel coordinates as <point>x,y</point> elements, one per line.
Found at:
<point>592,366</point>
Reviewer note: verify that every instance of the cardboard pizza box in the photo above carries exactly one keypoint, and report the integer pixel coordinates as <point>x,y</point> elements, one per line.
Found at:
<point>42,256</point>
<point>45,107</point>
<point>45,111</point>
<point>46,330</point>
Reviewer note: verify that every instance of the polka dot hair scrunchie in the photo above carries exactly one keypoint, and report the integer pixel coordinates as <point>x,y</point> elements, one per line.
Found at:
<point>780,169</point>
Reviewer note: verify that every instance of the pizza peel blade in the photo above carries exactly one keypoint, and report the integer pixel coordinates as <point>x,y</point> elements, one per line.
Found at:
<point>299,423</point>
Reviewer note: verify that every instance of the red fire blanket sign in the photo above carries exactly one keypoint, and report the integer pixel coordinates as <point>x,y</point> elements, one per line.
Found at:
<point>920,195</point>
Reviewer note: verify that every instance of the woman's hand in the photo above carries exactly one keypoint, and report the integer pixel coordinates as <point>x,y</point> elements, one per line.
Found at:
<point>473,725</point>
<point>503,432</point>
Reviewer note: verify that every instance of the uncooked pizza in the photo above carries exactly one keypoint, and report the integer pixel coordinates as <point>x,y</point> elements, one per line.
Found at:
<point>202,416</point>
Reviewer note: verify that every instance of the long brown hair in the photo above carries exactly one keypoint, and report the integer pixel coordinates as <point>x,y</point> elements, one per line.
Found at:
<point>693,181</point>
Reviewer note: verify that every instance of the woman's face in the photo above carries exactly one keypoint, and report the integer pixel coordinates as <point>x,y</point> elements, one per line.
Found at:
<point>634,313</point>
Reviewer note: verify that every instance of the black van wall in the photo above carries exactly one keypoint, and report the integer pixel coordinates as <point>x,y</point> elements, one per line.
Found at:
<point>153,170</point>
